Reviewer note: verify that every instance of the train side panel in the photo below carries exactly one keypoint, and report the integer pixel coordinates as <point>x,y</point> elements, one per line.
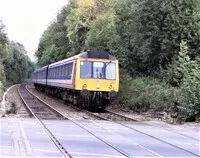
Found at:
<point>39,76</point>
<point>34,77</point>
<point>62,75</point>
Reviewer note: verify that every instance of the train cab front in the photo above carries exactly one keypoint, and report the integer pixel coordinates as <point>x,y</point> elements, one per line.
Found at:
<point>97,80</point>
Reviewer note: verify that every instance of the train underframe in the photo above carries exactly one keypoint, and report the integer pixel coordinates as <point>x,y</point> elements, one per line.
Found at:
<point>90,100</point>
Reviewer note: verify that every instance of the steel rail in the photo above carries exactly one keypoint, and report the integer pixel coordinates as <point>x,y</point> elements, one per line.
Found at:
<point>46,130</point>
<point>122,116</point>
<point>27,108</point>
<point>102,118</point>
<point>96,136</point>
<point>144,132</point>
<point>131,119</point>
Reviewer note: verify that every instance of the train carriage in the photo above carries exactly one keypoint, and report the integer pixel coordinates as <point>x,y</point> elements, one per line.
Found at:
<point>61,74</point>
<point>89,79</point>
<point>39,76</point>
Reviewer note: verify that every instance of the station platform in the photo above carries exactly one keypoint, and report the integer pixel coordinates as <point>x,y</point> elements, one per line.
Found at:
<point>24,137</point>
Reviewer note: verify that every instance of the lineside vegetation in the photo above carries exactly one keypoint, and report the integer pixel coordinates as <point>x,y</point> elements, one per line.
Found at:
<point>157,43</point>
<point>15,65</point>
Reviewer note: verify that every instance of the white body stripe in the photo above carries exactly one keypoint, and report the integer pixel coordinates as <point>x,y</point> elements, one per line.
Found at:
<point>60,83</point>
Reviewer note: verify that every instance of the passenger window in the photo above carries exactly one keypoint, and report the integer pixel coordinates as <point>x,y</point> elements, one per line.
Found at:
<point>57,73</point>
<point>69,70</point>
<point>61,72</point>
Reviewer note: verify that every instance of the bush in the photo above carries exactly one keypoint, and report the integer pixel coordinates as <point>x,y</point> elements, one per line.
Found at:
<point>12,109</point>
<point>180,68</point>
<point>189,100</point>
<point>181,101</point>
<point>185,73</point>
<point>144,93</point>
<point>1,90</point>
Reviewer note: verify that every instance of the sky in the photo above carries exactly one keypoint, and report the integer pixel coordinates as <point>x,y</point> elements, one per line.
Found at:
<point>26,20</point>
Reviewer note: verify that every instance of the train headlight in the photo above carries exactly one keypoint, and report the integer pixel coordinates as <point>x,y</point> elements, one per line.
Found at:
<point>98,87</point>
<point>110,87</point>
<point>84,86</point>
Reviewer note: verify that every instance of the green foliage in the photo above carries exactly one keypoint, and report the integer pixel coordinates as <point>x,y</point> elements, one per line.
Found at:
<point>70,33</point>
<point>12,109</point>
<point>78,22</point>
<point>189,99</point>
<point>3,55</point>
<point>2,78</point>
<point>102,33</point>
<point>15,65</point>
<point>144,93</point>
<point>145,36</point>
<point>181,67</point>
<point>152,31</point>
<point>18,66</point>
<point>3,42</point>
<point>186,74</point>
<point>54,44</point>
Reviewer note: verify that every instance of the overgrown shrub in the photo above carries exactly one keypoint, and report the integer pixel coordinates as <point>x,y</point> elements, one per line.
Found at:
<point>144,93</point>
<point>1,90</point>
<point>189,100</point>
<point>180,98</point>
<point>181,68</point>
<point>12,109</point>
<point>185,73</point>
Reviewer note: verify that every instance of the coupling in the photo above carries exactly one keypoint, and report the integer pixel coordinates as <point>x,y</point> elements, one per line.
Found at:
<point>85,93</point>
<point>112,94</point>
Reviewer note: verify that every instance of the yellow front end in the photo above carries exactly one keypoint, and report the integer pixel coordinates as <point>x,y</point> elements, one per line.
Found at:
<point>96,84</point>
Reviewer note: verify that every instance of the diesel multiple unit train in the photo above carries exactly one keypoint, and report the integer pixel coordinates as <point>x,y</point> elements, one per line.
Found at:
<point>89,79</point>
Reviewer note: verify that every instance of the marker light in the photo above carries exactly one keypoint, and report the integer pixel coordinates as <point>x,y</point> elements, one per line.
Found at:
<point>84,86</point>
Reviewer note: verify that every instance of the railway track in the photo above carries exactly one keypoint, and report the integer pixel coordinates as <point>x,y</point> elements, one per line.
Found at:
<point>31,100</point>
<point>40,111</point>
<point>36,107</point>
<point>113,116</point>
<point>117,118</point>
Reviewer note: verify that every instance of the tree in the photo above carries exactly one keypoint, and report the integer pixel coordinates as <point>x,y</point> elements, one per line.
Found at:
<point>78,23</point>
<point>18,66</point>
<point>102,34</point>
<point>3,42</point>
<point>3,55</point>
<point>152,31</point>
<point>54,44</point>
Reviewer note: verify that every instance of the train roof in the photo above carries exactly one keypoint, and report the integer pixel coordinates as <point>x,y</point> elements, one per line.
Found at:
<point>88,54</point>
<point>95,54</point>
<point>98,54</point>
<point>42,68</point>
